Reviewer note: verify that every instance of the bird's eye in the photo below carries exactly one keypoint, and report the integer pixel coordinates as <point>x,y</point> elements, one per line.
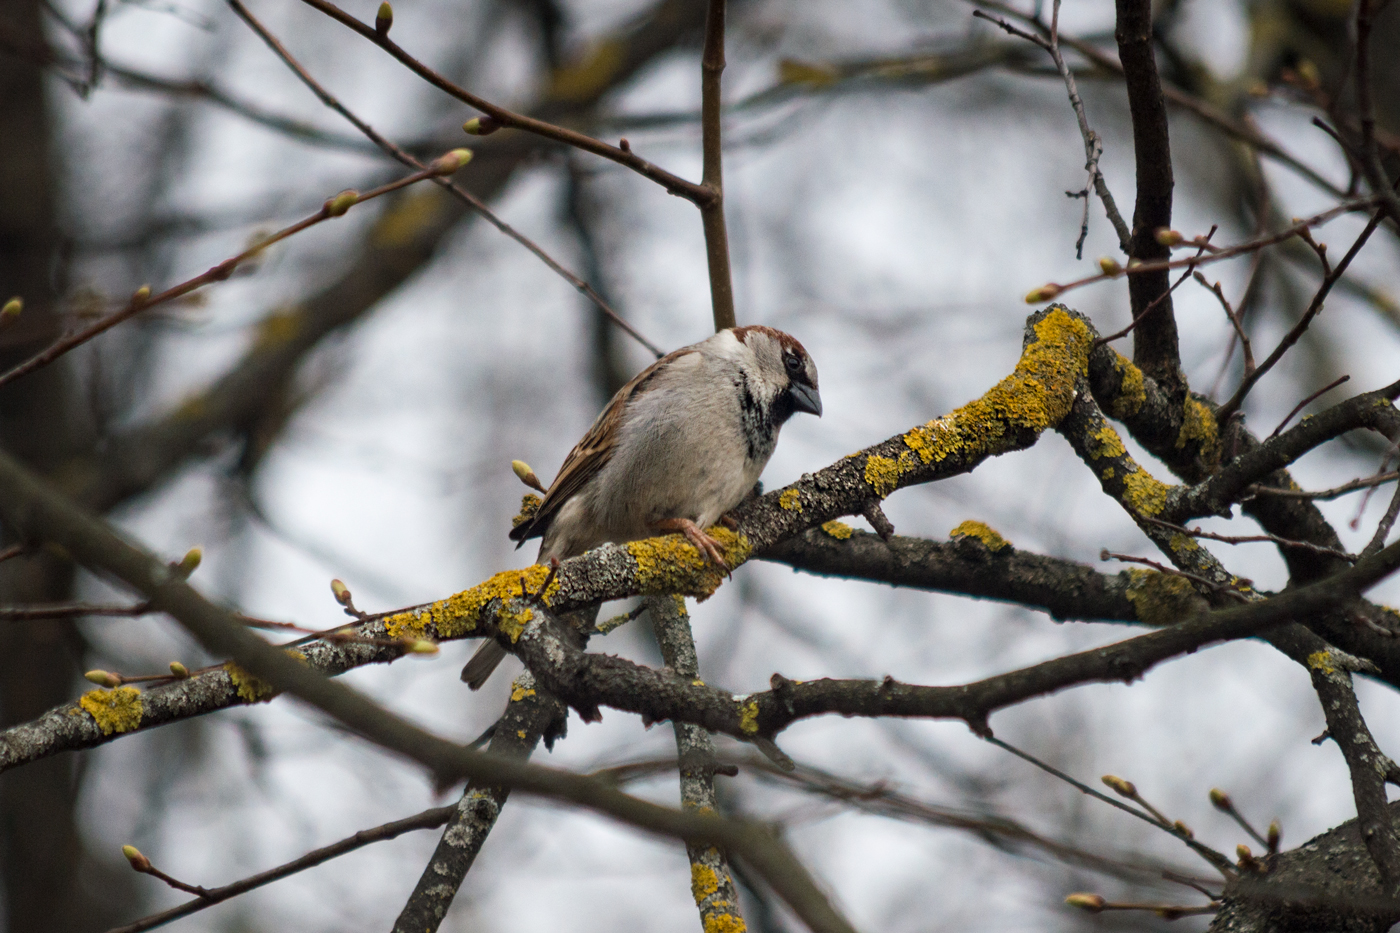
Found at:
<point>793,364</point>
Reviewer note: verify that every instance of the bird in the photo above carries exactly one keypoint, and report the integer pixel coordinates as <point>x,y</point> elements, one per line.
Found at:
<point>676,448</point>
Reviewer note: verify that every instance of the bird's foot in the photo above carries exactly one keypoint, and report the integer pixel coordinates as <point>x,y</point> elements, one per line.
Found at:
<point>705,544</point>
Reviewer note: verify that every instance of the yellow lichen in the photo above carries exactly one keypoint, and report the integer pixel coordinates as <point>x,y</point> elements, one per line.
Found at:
<point>520,693</point>
<point>671,564</point>
<point>791,500</point>
<point>520,733</point>
<point>1321,661</point>
<point>529,508</point>
<point>1132,392</point>
<point>981,532</point>
<point>1198,425</point>
<point>838,530</point>
<point>459,614</point>
<point>723,923</point>
<point>1162,598</point>
<point>1109,473</point>
<point>1106,443</point>
<point>116,710</point>
<point>882,474</point>
<point>1144,494</point>
<point>748,717</point>
<point>1182,544</point>
<point>1036,396</point>
<point>250,689</point>
<point>704,881</point>
<point>513,622</point>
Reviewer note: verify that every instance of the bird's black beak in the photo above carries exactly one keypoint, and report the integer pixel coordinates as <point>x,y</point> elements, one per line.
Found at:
<point>806,398</point>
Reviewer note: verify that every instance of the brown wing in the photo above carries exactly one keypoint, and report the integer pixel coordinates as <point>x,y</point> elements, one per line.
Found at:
<point>591,453</point>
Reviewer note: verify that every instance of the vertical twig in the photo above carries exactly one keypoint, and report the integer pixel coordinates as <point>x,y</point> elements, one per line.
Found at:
<point>1155,348</point>
<point>712,177</point>
<point>711,880</point>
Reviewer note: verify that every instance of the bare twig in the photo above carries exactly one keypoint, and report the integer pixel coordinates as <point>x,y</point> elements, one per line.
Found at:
<point>1304,404</point>
<point>1334,492</point>
<point>144,300</point>
<point>1223,414</point>
<point>1254,539</point>
<point>1236,318</point>
<point>712,178</point>
<point>1217,860</point>
<point>457,191</point>
<point>1210,584</point>
<point>428,819</point>
<point>699,195</point>
<point>1093,143</point>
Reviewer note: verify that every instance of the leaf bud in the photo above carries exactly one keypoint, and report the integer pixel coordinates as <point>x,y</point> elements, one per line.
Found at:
<point>1244,853</point>
<point>104,678</point>
<point>341,592</point>
<point>1093,903</point>
<point>384,19</point>
<point>189,563</point>
<point>11,309</point>
<point>1220,800</point>
<point>179,670</point>
<point>137,860</point>
<point>1168,237</point>
<point>1121,787</point>
<point>449,162</point>
<point>481,126</point>
<point>141,295</point>
<point>1109,266</point>
<point>1044,293</point>
<point>526,475</point>
<point>1273,835</point>
<point>338,205</point>
<point>1183,829</point>
<point>421,646</point>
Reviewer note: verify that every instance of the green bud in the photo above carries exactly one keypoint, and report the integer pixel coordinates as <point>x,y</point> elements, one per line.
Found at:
<point>137,860</point>
<point>1109,266</point>
<point>384,19</point>
<point>1121,787</point>
<point>527,475</point>
<point>1169,237</point>
<point>190,562</point>
<point>341,592</point>
<point>11,309</point>
<point>1093,903</point>
<point>481,126</point>
<point>1044,293</point>
<point>1220,800</point>
<point>104,678</point>
<point>341,203</point>
<point>141,295</point>
<point>179,670</point>
<point>449,162</point>
<point>421,646</point>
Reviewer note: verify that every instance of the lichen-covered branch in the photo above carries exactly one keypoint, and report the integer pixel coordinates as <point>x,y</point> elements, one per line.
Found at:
<point>530,715</point>
<point>711,883</point>
<point>1370,768</point>
<point>35,511</point>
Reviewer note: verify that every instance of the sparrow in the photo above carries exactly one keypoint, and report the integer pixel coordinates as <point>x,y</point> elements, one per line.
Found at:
<point>674,450</point>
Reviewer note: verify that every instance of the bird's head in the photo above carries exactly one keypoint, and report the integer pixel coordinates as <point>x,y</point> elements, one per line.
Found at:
<point>784,368</point>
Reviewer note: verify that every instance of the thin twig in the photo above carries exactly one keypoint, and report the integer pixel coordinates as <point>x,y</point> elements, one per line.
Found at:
<point>1054,289</point>
<point>1106,554</point>
<point>712,177</point>
<point>1304,404</point>
<point>144,300</point>
<point>1254,539</point>
<point>447,184</point>
<point>1334,492</point>
<point>1223,414</point>
<point>1093,143</point>
<point>674,184</point>
<point>1236,319</point>
<point>70,611</point>
<point>1383,529</point>
<point>1217,860</point>
<point>1160,300</point>
<point>428,819</point>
